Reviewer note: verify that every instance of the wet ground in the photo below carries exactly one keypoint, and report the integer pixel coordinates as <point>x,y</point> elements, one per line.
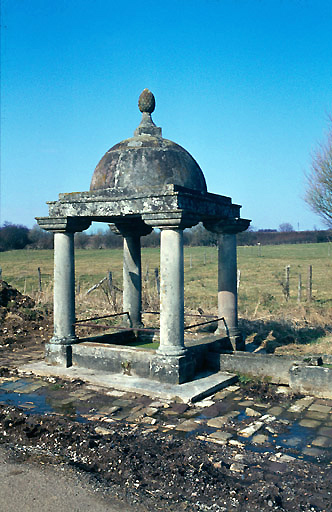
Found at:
<point>247,448</point>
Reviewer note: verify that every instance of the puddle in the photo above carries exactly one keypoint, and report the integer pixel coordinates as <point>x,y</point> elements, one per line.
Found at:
<point>296,437</point>
<point>38,398</point>
<point>81,405</point>
<point>30,403</point>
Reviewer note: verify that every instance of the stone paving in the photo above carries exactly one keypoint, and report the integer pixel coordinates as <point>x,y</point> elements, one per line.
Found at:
<point>288,427</point>
<point>292,427</point>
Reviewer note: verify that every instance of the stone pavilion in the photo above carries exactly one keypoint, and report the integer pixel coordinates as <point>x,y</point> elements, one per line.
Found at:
<point>142,183</point>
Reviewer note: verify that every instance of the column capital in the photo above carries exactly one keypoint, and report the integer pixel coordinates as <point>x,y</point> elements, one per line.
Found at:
<point>175,220</point>
<point>63,224</point>
<point>130,227</point>
<point>227,226</point>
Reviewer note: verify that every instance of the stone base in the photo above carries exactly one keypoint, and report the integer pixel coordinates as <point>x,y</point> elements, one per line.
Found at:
<point>110,354</point>
<point>238,343</point>
<point>60,355</point>
<point>133,361</point>
<point>189,392</point>
<point>136,361</point>
<point>172,369</point>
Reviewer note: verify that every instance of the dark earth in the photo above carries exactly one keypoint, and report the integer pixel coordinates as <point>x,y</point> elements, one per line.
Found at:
<point>145,468</point>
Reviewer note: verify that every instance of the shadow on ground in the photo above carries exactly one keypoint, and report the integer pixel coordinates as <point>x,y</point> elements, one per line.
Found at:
<point>272,334</point>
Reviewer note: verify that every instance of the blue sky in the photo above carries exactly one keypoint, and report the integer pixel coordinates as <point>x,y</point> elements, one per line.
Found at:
<point>244,86</point>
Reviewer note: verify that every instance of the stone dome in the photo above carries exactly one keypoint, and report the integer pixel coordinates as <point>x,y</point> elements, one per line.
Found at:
<point>147,161</point>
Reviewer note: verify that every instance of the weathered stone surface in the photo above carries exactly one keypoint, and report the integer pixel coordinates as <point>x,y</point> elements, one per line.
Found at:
<point>218,422</point>
<point>58,354</point>
<point>251,412</point>
<point>276,411</point>
<point>312,380</point>
<point>259,439</point>
<point>147,159</point>
<point>309,423</point>
<point>251,429</point>
<point>219,437</point>
<point>322,441</point>
<point>325,431</point>
<point>113,205</point>
<point>142,182</point>
<point>319,408</point>
<point>188,426</point>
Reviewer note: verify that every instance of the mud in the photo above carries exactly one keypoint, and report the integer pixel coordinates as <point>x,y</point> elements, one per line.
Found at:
<point>22,323</point>
<point>164,471</point>
<point>151,469</point>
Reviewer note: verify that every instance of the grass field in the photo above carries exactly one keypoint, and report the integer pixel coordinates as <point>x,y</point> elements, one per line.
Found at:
<point>261,292</point>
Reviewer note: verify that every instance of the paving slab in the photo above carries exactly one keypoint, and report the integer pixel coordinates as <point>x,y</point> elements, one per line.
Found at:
<point>188,392</point>
<point>320,408</point>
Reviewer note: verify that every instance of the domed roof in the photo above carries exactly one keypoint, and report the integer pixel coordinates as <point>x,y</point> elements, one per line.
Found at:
<point>147,160</point>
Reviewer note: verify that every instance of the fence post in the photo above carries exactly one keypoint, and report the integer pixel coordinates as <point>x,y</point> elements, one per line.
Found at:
<point>309,284</point>
<point>156,273</point>
<point>287,270</point>
<point>190,261</point>
<point>299,289</point>
<point>204,257</point>
<point>0,273</point>
<point>110,280</point>
<point>111,288</point>
<point>39,279</point>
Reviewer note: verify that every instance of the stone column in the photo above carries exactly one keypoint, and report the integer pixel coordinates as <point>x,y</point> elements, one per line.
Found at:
<point>58,349</point>
<point>132,279</point>
<point>227,278</point>
<point>171,293</point>
<point>132,269</point>
<point>64,289</point>
<point>227,288</point>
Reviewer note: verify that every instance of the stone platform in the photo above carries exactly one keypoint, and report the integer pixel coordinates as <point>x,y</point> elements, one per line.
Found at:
<point>202,386</point>
<point>112,354</point>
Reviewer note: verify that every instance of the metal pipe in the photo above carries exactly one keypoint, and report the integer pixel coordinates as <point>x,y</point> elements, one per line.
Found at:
<point>100,317</point>
<point>118,328</point>
<point>204,323</point>
<point>185,314</point>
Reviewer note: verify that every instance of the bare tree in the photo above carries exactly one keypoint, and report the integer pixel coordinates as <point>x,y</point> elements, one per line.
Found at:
<point>319,180</point>
<point>286,227</point>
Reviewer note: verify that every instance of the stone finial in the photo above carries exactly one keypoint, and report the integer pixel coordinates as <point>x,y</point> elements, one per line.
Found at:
<point>146,101</point>
<point>146,104</point>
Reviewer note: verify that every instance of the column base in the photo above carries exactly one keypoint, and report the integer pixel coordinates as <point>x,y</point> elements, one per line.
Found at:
<point>235,337</point>
<point>170,351</point>
<point>64,340</point>
<point>58,354</point>
<point>238,343</point>
<point>172,369</point>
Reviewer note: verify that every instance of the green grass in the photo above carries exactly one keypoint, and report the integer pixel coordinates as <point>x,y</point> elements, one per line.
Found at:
<point>261,270</point>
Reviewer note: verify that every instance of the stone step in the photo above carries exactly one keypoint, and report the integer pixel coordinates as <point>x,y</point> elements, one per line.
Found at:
<point>202,386</point>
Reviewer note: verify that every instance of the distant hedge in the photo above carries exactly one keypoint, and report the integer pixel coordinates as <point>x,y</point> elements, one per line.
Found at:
<point>20,237</point>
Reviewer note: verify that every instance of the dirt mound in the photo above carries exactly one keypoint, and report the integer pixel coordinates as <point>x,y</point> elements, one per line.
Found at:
<point>12,299</point>
<point>159,471</point>
<point>21,320</point>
